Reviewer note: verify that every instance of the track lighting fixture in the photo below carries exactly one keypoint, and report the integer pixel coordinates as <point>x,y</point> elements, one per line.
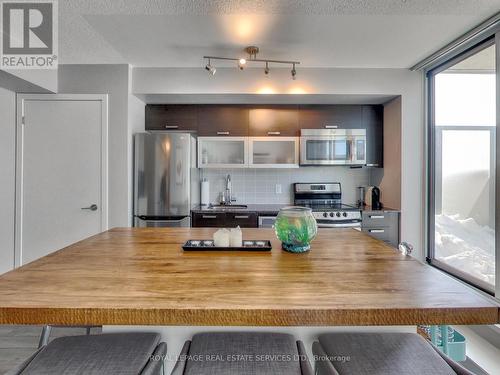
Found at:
<point>210,68</point>
<point>252,58</point>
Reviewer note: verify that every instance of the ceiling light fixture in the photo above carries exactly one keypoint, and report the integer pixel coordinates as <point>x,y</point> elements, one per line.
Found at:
<point>210,68</point>
<point>252,58</point>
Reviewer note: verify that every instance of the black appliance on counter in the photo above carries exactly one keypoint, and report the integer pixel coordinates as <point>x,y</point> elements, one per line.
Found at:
<point>376,204</point>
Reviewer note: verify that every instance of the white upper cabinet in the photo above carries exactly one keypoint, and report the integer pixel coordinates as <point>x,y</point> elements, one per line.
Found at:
<point>222,152</point>
<point>273,152</point>
<point>248,152</point>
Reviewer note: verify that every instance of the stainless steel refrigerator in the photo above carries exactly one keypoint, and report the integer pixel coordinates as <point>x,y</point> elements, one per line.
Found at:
<point>165,179</point>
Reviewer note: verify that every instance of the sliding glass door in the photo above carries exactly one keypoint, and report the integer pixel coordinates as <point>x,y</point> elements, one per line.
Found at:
<point>462,148</point>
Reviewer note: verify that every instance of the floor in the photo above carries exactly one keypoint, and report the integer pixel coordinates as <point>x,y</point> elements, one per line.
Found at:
<point>18,342</point>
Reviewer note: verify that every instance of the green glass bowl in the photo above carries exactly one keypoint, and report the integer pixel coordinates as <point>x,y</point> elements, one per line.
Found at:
<point>296,227</point>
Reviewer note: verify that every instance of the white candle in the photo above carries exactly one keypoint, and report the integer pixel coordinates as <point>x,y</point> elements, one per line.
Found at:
<point>236,237</point>
<point>221,238</point>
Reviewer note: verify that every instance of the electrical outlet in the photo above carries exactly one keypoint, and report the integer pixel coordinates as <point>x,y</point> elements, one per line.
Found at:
<point>278,188</point>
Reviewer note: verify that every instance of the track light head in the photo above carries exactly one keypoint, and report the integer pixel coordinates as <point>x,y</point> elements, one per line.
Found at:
<point>210,69</point>
<point>242,63</point>
<point>266,71</point>
<point>294,73</point>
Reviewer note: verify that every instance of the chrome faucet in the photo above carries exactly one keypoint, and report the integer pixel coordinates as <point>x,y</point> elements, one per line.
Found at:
<point>229,190</point>
<point>227,195</point>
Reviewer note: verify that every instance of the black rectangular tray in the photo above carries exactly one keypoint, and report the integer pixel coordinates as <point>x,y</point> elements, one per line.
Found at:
<point>208,245</point>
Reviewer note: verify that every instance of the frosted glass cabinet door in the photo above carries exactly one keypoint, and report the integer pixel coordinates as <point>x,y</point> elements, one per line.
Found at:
<point>274,152</point>
<point>222,152</point>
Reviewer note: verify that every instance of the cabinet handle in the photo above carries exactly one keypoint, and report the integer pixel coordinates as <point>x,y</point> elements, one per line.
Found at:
<point>241,216</point>
<point>171,126</point>
<point>372,165</point>
<point>209,216</point>
<point>376,230</point>
<point>331,126</point>
<point>273,133</point>
<point>222,133</point>
<point>376,216</point>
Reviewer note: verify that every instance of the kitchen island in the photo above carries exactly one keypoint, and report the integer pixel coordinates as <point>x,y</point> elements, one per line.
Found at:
<point>141,276</point>
<point>140,279</point>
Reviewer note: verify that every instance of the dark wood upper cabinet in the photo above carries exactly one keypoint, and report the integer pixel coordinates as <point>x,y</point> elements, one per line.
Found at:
<point>220,120</point>
<point>330,117</point>
<point>373,120</point>
<point>171,117</point>
<point>274,121</point>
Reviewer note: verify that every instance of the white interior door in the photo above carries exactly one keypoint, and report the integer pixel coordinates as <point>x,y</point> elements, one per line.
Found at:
<point>61,172</point>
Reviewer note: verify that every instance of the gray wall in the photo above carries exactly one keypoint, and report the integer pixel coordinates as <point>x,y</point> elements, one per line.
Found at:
<point>7,177</point>
<point>124,115</point>
<point>136,115</point>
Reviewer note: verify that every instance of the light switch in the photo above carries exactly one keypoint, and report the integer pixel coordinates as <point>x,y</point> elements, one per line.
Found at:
<point>278,188</point>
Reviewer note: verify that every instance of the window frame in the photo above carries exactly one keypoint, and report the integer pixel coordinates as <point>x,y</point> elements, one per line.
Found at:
<point>431,167</point>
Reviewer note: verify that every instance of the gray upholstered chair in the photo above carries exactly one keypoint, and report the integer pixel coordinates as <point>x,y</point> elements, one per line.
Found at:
<point>238,353</point>
<point>380,353</point>
<point>133,353</point>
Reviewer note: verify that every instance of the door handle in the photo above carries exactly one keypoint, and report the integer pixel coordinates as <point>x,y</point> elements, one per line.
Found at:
<point>92,207</point>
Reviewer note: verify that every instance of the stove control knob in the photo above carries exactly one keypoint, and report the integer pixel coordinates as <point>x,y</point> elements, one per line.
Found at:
<point>338,214</point>
<point>325,214</point>
<point>344,214</point>
<point>332,214</point>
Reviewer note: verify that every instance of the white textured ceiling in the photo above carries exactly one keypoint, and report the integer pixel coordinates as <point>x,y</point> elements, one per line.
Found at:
<point>320,33</point>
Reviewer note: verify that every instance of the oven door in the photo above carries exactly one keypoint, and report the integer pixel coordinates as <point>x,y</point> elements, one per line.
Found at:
<point>317,150</point>
<point>342,224</point>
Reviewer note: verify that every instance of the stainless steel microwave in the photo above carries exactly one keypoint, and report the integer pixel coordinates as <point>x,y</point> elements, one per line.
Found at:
<point>333,147</point>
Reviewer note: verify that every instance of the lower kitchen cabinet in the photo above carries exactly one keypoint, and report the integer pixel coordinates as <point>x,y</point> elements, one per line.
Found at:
<point>215,219</point>
<point>242,219</point>
<point>383,225</point>
<point>225,219</point>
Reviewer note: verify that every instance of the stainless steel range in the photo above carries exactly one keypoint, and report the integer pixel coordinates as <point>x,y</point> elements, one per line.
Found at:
<point>325,200</point>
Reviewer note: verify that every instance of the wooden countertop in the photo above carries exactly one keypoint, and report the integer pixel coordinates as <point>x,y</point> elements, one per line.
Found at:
<point>141,276</point>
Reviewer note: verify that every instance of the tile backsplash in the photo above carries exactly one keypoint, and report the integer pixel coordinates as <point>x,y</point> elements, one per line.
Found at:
<point>258,186</point>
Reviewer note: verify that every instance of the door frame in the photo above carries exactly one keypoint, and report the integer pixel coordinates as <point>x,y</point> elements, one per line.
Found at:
<point>20,102</point>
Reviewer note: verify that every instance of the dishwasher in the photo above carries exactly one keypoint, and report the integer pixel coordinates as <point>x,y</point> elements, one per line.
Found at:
<point>266,221</point>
